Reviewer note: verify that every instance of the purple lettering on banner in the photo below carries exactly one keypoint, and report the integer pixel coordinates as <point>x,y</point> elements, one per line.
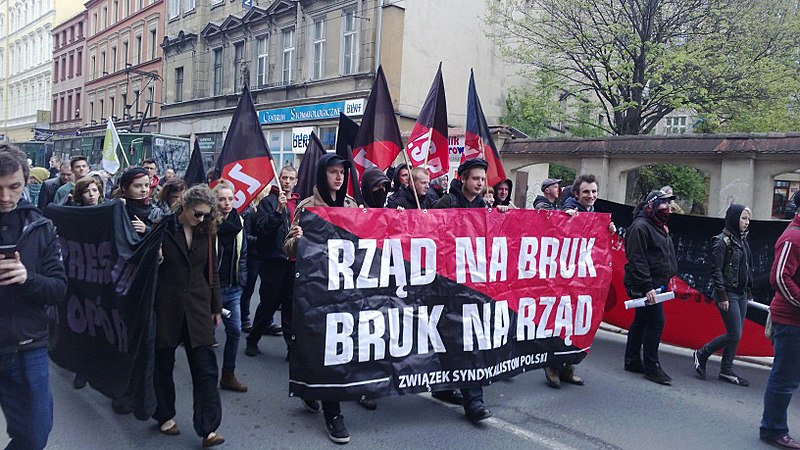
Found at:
<point>104,260</point>
<point>90,253</point>
<point>122,274</point>
<point>122,331</point>
<point>75,317</point>
<point>76,270</point>
<point>90,318</point>
<point>101,319</point>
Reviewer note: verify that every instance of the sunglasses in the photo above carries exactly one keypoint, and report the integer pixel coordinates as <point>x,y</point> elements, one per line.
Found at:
<point>198,214</point>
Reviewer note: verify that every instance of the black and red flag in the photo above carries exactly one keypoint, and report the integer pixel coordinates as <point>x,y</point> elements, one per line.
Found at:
<point>378,141</point>
<point>478,141</point>
<point>245,159</point>
<point>195,171</point>
<point>345,141</point>
<point>428,144</point>
<point>307,173</point>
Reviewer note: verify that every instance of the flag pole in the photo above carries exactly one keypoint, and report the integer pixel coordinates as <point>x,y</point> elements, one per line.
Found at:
<point>411,178</point>
<point>275,173</point>
<point>124,155</point>
<point>428,153</point>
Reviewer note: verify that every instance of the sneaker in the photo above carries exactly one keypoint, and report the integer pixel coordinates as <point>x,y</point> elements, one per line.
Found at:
<point>312,406</point>
<point>337,432</point>
<point>783,442</point>
<point>634,366</point>
<point>699,365</point>
<point>252,349</point>
<point>732,378</point>
<point>451,396</point>
<point>368,403</point>
<point>659,376</point>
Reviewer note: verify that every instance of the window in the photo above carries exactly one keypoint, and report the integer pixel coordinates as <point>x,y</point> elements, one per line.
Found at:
<point>263,61</point>
<point>94,25</point>
<point>105,17</point>
<point>151,95</point>
<point>80,29</point>
<point>111,105</point>
<point>179,84</point>
<point>138,49</point>
<point>153,45</point>
<point>69,108</point>
<point>113,59</point>
<point>103,63</point>
<point>55,69</point>
<point>280,145</point>
<point>78,69</point>
<point>139,4</point>
<point>217,71</point>
<point>174,8</point>
<point>318,50</point>
<point>101,109</point>
<point>288,55</point>
<point>238,56</point>
<point>71,66</point>
<point>115,11</point>
<point>63,68</point>
<point>675,125</point>
<point>190,4</point>
<point>77,111</point>
<point>327,136</point>
<point>91,112</point>
<point>136,99</point>
<point>125,53</point>
<point>349,44</point>
<point>93,67</point>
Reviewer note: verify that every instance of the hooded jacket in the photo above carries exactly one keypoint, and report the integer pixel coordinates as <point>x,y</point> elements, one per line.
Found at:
<point>507,201</point>
<point>272,226</point>
<point>23,317</point>
<point>373,177</point>
<point>404,197</point>
<point>541,202</point>
<point>785,276</point>
<point>321,197</point>
<point>232,251</point>
<point>651,256</point>
<point>573,203</point>
<point>731,259</point>
<point>455,199</point>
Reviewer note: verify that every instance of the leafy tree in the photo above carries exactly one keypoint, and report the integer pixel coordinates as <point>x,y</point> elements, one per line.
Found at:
<point>688,183</point>
<point>564,173</point>
<point>642,59</point>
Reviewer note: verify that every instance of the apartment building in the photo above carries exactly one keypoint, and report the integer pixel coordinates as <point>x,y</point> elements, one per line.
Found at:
<point>69,50</point>
<point>124,64</point>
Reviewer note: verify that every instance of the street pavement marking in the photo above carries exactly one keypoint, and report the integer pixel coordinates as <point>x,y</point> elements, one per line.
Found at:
<point>508,427</point>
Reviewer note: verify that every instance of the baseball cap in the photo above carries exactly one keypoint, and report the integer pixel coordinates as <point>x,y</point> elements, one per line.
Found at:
<point>549,182</point>
<point>658,195</point>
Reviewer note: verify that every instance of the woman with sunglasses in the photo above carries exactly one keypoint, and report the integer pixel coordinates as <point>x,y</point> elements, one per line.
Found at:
<point>188,306</point>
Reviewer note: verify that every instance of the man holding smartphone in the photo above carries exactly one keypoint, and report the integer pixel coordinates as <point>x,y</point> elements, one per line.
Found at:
<point>32,276</point>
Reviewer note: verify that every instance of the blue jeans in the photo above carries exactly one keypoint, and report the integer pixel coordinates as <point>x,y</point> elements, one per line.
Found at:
<point>783,381</point>
<point>733,319</point>
<point>233,324</point>
<point>26,399</point>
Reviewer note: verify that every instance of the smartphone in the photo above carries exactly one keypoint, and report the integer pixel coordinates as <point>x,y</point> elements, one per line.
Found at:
<point>8,250</point>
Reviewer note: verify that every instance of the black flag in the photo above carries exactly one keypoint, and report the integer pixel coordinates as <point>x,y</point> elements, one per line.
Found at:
<point>307,173</point>
<point>195,172</point>
<point>345,139</point>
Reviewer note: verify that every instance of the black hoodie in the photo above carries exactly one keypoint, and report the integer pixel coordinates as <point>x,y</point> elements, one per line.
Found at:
<point>507,201</point>
<point>455,199</point>
<point>731,259</point>
<point>324,162</point>
<point>651,256</point>
<point>373,177</point>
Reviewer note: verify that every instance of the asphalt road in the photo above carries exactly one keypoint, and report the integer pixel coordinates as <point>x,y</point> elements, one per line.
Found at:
<point>615,409</point>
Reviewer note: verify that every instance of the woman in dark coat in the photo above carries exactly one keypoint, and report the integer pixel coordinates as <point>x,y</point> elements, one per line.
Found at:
<point>187,308</point>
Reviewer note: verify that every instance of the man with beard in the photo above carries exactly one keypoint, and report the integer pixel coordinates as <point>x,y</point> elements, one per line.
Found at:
<point>330,191</point>
<point>651,264</point>
<point>404,197</point>
<point>275,213</point>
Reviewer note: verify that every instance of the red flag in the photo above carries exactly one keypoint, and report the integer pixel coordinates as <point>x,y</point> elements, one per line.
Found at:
<point>245,159</point>
<point>478,141</point>
<point>428,144</point>
<point>378,140</point>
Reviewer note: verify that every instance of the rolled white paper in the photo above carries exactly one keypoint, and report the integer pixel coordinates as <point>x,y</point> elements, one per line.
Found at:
<point>639,302</point>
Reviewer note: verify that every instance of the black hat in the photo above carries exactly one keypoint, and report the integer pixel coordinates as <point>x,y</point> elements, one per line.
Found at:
<point>335,160</point>
<point>658,195</point>
<point>549,182</point>
<point>131,174</point>
<point>471,164</point>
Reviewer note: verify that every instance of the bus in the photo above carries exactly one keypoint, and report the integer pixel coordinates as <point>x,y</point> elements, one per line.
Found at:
<point>167,151</point>
<point>38,152</point>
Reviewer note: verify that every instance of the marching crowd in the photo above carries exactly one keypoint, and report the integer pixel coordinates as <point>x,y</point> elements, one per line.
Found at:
<point>211,258</point>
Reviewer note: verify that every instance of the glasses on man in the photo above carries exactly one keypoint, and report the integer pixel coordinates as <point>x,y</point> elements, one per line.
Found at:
<point>199,214</point>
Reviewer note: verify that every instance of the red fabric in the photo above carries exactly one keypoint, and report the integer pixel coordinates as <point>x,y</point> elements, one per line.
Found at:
<point>428,143</point>
<point>785,276</point>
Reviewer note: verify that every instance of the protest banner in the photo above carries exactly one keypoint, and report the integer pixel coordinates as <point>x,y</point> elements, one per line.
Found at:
<point>104,330</point>
<point>390,303</point>
<point>692,318</point>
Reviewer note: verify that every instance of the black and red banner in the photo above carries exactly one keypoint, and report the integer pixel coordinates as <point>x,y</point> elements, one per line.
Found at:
<point>245,159</point>
<point>307,173</point>
<point>428,143</point>
<point>478,142</point>
<point>345,142</point>
<point>378,141</point>
<point>692,318</point>
<point>195,171</point>
<point>390,303</point>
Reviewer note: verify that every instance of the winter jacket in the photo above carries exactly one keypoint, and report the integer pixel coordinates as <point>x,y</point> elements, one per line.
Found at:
<point>651,256</point>
<point>731,259</point>
<point>573,203</point>
<point>273,226</point>
<point>239,260</point>
<point>23,317</point>
<point>507,201</point>
<point>785,276</point>
<point>290,244</point>
<point>455,199</point>
<point>405,197</point>
<point>48,192</point>
<point>541,202</point>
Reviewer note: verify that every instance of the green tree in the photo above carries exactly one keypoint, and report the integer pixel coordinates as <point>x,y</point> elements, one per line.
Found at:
<point>533,109</point>
<point>642,59</point>
<point>563,173</point>
<point>688,183</point>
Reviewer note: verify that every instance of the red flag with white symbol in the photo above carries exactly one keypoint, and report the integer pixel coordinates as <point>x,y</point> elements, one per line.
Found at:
<point>428,145</point>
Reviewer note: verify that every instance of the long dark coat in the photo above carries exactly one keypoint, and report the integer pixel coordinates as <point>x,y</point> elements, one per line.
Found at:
<point>184,291</point>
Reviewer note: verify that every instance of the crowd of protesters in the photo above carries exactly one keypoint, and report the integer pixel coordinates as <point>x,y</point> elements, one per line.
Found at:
<point>211,259</point>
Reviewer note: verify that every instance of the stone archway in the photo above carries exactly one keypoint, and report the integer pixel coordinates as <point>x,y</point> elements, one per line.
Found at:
<point>690,184</point>
<point>528,179</point>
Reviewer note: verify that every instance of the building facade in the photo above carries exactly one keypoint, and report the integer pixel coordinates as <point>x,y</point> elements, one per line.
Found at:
<point>69,51</point>
<point>123,64</point>
<point>305,61</point>
<point>26,52</point>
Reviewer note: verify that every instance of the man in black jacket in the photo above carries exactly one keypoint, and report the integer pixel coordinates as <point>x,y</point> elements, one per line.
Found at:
<point>274,215</point>
<point>50,186</point>
<point>31,276</point>
<point>404,197</point>
<point>651,264</point>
